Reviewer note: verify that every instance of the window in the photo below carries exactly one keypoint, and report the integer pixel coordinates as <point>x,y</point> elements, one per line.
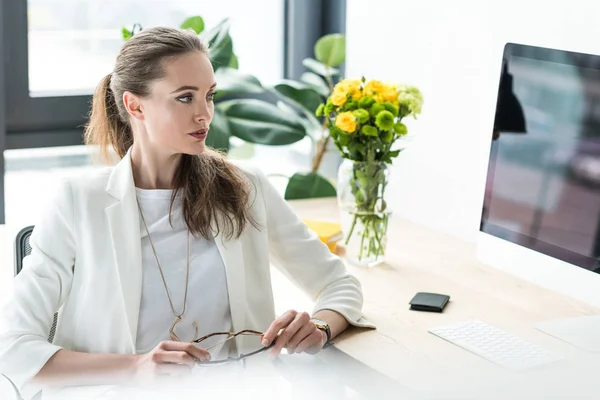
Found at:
<point>73,43</point>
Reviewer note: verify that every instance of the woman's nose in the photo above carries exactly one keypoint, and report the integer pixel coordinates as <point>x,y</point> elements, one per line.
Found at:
<point>202,115</point>
<point>202,118</point>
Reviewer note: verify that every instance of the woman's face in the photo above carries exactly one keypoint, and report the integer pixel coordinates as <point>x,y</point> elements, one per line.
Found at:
<point>179,110</point>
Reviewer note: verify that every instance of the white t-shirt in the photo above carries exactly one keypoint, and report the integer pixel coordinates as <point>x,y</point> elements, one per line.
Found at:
<point>207,299</point>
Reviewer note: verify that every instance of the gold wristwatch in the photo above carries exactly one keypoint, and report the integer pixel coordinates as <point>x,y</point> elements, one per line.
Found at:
<point>324,326</point>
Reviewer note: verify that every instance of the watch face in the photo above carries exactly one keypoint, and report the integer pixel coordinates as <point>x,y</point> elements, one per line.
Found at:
<point>323,326</point>
<point>319,323</point>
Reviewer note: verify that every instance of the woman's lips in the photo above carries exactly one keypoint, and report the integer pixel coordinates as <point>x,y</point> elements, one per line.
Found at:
<point>199,134</point>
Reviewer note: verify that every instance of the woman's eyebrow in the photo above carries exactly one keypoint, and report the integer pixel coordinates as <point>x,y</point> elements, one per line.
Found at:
<point>188,87</point>
<point>185,88</point>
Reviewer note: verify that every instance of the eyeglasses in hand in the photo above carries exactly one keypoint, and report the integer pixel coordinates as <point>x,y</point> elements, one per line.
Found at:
<point>226,336</point>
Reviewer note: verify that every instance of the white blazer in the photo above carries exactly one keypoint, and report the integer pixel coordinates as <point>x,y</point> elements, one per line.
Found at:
<point>86,263</point>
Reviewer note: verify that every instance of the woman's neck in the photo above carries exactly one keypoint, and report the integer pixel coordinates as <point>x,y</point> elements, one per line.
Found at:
<point>152,169</point>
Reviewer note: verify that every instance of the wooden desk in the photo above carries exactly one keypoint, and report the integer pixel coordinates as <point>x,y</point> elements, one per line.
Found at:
<point>419,259</point>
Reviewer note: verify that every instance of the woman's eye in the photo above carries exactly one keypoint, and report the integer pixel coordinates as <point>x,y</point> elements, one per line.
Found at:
<point>211,96</point>
<point>185,99</point>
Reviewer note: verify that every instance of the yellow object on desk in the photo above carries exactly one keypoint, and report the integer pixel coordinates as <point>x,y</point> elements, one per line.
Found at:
<point>329,232</point>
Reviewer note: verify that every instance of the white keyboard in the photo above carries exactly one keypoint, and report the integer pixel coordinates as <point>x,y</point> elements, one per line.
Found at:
<point>495,345</point>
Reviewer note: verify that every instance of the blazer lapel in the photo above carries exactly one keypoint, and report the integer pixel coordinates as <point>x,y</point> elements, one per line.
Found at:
<point>232,256</point>
<point>123,222</point>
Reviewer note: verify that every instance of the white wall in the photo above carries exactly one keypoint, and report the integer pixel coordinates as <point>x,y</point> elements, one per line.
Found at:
<point>452,51</point>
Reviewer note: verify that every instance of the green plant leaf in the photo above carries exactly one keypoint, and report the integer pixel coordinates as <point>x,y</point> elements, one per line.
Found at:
<point>220,55</point>
<point>301,93</point>
<point>233,81</point>
<point>220,45</point>
<point>331,49</point>
<point>195,23</point>
<point>390,155</point>
<point>126,33</point>
<point>217,34</point>
<point>307,186</point>
<point>257,121</point>
<point>319,68</point>
<point>316,82</point>
<point>310,122</point>
<point>219,133</point>
<point>233,62</point>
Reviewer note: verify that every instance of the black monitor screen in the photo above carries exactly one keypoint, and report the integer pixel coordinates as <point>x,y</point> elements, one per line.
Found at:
<point>543,181</point>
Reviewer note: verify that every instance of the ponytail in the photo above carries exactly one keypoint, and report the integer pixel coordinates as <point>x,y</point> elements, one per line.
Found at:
<point>106,127</point>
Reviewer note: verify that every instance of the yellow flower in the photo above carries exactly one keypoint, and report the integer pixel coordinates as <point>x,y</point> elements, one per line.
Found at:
<point>389,93</point>
<point>381,91</point>
<point>338,98</point>
<point>346,121</point>
<point>353,88</point>
<point>346,87</point>
<point>374,88</point>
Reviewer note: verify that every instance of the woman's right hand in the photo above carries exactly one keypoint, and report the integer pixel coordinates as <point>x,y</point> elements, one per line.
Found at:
<point>169,358</point>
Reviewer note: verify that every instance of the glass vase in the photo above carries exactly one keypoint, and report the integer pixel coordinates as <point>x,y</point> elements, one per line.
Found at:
<point>364,211</point>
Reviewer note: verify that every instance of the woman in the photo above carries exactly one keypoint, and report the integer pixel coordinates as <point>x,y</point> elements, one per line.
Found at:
<point>170,244</point>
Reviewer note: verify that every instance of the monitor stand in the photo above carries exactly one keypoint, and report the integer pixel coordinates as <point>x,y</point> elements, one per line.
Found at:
<point>582,332</point>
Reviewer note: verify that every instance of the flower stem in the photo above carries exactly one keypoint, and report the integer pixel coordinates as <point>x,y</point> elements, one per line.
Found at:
<point>362,240</point>
<point>321,149</point>
<point>328,78</point>
<point>351,229</point>
<point>379,246</point>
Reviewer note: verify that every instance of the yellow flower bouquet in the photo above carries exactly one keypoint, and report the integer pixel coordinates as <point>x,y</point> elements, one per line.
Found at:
<point>364,119</point>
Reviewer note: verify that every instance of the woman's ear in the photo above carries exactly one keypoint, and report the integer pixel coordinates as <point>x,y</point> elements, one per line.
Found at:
<point>133,105</point>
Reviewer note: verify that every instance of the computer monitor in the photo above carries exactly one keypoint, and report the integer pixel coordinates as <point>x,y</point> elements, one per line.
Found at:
<point>541,208</point>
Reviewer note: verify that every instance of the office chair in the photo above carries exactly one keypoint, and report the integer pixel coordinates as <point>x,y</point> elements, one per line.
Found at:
<point>22,250</point>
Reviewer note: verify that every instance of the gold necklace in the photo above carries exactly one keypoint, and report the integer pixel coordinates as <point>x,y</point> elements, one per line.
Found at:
<point>178,318</point>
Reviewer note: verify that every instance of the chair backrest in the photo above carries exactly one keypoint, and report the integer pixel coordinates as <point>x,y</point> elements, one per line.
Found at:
<point>22,247</point>
<point>22,250</point>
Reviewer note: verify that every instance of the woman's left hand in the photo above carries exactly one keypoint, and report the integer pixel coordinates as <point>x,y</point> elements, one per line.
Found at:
<point>299,334</point>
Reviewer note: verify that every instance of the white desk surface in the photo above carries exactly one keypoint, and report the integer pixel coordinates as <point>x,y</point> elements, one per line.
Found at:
<point>420,259</point>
